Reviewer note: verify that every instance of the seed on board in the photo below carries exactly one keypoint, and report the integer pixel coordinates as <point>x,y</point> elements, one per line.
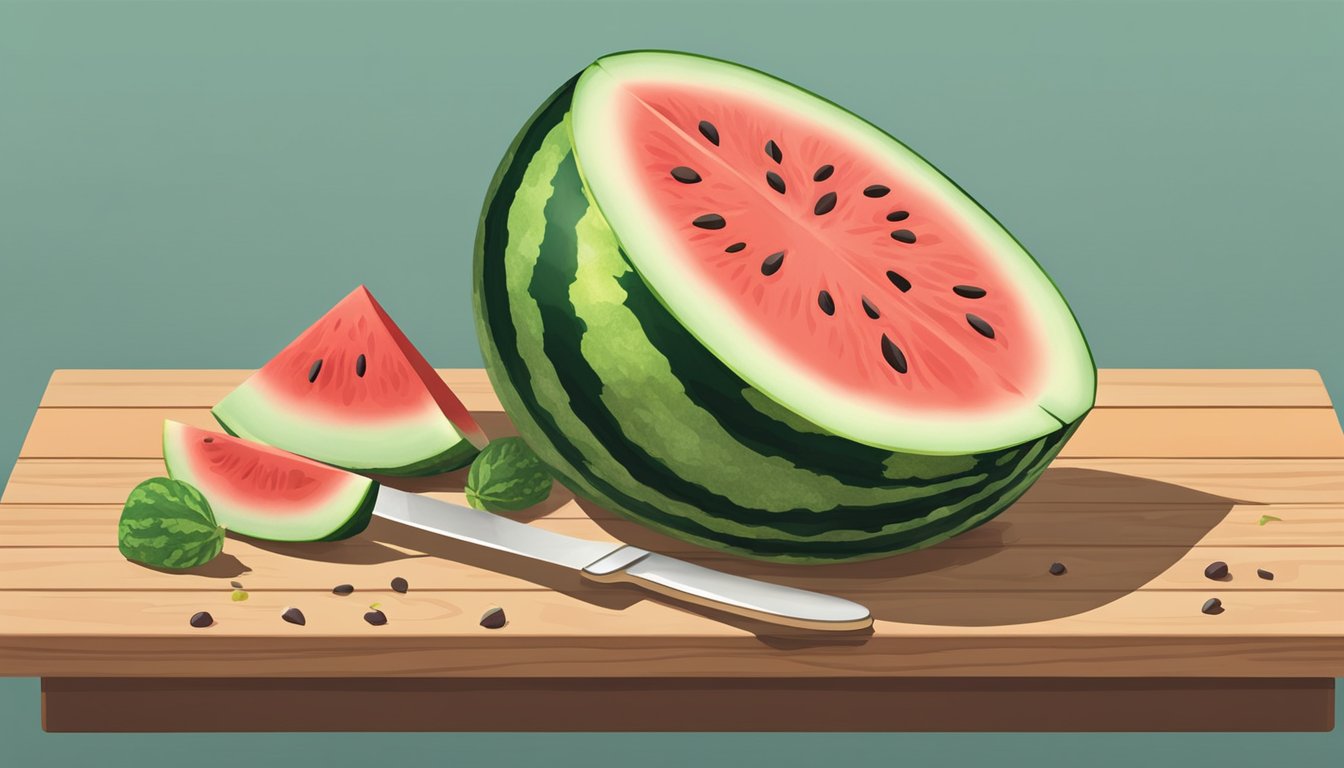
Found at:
<point>898,216</point>
<point>201,620</point>
<point>981,327</point>
<point>685,175</point>
<point>772,149</point>
<point>1057,569</point>
<point>898,281</point>
<point>708,130</point>
<point>376,617</point>
<point>826,303</point>
<point>1264,574</point>
<point>361,366</point>
<point>1216,570</point>
<point>1213,606</point>
<point>775,181</point>
<point>236,584</point>
<point>903,236</point>
<point>494,618</point>
<point>969,291</point>
<point>869,308</point>
<point>710,221</point>
<point>343,589</point>
<point>400,585</point>
<point>876,190</point>
<point>823,173</point>
<point>294,616</point>
<point>772,263</point>
<point>312,372</point>
<point>893,354</point>
<point>825,204</point>
<point>735,247</point>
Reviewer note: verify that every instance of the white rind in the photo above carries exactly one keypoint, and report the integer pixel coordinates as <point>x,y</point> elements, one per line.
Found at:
<point>1069,375</point>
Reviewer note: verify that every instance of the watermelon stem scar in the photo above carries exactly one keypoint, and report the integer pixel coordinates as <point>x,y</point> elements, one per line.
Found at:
<point>729,309</point>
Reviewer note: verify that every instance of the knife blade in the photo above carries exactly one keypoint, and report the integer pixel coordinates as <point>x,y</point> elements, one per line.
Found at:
<point>607,563</point>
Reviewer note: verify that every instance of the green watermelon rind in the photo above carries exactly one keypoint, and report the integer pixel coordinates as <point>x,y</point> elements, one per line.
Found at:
<point>297,435</point>
<point>409,448</point>
<point>643,420</point>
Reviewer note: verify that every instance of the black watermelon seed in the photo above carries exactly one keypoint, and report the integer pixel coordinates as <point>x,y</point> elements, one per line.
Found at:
<point>980,326</point>
<point>898,281</point>
<point>1264,574</point>
<point>685,175</point>
<point>236,584</point>
<point>898,216</point>
<point>376,617</point>
<point>969,291</point>
<point>294,616</point>
<point>869,308</point>
<point>735,247</point>
<point>1057,569</point>
<point>312,372</point>
<point>342,589</point>
<point>494,618</point>
<point>825,204</point>
<point>903,236</point>
<point>208,440</point>
<point>710,221</point>
<point>361,365</point>
<point>399,585</point>
<point>708,130</point>
<point>823,173</point>
<point>895,357</point>
<point>772,263</point>
<point>1216,570</point>
<point>1213,606</point>
<point>826,303</point>
<point>775,181</point>
<point>772,149</point>
<point>876,190</point>
<point>201,620</point>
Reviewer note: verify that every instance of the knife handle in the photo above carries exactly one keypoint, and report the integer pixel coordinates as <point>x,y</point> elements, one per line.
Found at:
<point>708,588</point>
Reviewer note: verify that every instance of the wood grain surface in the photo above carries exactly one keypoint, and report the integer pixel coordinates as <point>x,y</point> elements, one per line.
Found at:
<point>1173,470</point>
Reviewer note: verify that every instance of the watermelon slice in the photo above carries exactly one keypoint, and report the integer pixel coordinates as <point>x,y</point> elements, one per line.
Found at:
<point>727,308</point>
<point>353,391</point>
<point>267,493</point>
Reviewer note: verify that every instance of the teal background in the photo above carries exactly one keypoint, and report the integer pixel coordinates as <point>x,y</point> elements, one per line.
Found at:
<point>188,184</point>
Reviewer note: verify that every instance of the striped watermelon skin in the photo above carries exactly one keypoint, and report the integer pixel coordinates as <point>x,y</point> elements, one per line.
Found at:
<point>636,415</point>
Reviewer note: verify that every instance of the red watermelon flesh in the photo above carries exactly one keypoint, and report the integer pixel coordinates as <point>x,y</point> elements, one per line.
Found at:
<point>353,391</point>
<point>260,491</point>
<point>832,252</point>
<point>828,265</point>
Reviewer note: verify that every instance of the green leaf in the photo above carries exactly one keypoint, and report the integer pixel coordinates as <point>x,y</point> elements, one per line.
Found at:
<point>507,477</point>
<point>167,523</point>
<point>1267,518</point>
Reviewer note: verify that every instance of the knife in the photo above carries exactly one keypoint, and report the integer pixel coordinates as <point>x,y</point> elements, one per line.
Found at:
<point>620,563</point>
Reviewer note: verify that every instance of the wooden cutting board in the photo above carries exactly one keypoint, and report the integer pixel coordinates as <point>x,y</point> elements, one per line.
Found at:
<point>1173,470</point>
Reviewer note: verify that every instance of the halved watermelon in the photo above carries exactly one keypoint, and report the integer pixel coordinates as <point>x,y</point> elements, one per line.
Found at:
<point>353,391</point>
<point>266,493</point>
<point>729,309</point>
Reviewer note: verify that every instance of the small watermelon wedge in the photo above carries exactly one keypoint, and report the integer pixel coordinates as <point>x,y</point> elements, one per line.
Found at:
<point>354,392</point>
<point>266,493</point>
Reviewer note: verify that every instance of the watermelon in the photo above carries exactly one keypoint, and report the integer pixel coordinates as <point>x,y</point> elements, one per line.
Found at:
<point>266,493</point>
<point>353,391</point>
<point>726,308</point>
